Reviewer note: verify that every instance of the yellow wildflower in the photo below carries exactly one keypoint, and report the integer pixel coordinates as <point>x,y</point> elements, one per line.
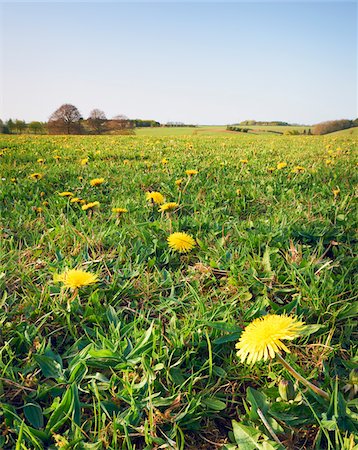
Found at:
<point>191,172</point>
<point>179,182</point>
<point>77,200</point>
<point>96,181</point>
<point>40,160</point>
<point>155,197</point>
<point>119,210</point>
<point>336,192</point>
<point>36,176</point>
<point>262,338</point>
<point>244,161</point>
<point>281,165</point>
<point>168,206</point>
<point>57,157</point>
<point>90,205</point>
<point>84,161</point>
<point>181,242</point>
<point>65,194</point>
<point>298,169</point>
<point>75,278</point>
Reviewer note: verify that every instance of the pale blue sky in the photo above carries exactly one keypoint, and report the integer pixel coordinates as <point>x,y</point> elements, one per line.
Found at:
<point>202,62</point>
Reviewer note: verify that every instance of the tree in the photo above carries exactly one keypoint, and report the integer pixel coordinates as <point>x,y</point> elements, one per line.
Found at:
<point>121,125</point>
<point>65,120</point>
<point>36,127</point>
<point>20,125</point>
<point>97,121</point>
<point>10,126</point>
<point>332,125</point>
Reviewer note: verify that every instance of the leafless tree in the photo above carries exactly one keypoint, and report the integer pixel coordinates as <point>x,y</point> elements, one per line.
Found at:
<point>97,121</point>
<point>65,120</point>
<point>121,124</point>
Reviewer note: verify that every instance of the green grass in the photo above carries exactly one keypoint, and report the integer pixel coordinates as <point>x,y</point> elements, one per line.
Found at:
<point>146,357</point>
<point>180,131</point>
<point>349,132</point>
<point>211,130</point>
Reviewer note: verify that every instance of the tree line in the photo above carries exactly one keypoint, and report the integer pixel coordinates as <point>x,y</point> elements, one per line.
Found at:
<point>67,119</point>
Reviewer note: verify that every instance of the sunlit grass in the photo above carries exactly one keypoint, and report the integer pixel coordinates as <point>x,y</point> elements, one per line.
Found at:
<point>146,356</point>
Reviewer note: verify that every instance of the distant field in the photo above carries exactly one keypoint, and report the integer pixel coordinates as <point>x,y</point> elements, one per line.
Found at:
<point>349,132</point>
<point>180,131</point>
<point>209,130</point>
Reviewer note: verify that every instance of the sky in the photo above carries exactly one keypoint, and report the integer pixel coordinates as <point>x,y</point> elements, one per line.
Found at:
<point>202,62</point>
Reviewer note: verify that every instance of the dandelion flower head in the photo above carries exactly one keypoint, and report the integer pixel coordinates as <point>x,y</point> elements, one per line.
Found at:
<point>119,210</point>
<point>75,278</point>
<point>263,337</point>
<point>96,181</point>
<point>65,194</point>
<point>281,165</point>
<point>90,205</point>
<point>168,206</point>
<point>36,176</point>
<point>181,242</point>
<point>191,172</point>
<point>155,197</point>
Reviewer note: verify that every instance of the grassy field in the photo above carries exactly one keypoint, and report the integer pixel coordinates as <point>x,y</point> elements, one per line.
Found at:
<point>181,131</point>
<point>210,130</point>
<point>144,356</point>
<point>346,133</point>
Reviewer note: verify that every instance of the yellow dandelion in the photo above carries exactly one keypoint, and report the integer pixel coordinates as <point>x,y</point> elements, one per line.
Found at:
<point>262,337</point>
<point>155,197</point>
<point>238,191</point>
<point>179,182</point>
<point>77,200</point>
<point>191,172</point>
<point>336,192</point>
<point>119,210</point>
<point>329,162</point>
<point>45,203</point>
<point>75,278</point>
<point>181,242</point>
<point>80,178</point>
<point>57,157</point>
<point>13,180</point>
<point>96,181</point>
<point>90,205</point>
<point>281,165</point>
<point>38,209</point>
<point>65,194</point>
<point>244,161</point>
<point>168,206</point>
<point>298,169</point>
<point>164,161</point>
<point>271,169</point>
<point>40,160</point>
<point>36,176</point>
<point>84,161</point>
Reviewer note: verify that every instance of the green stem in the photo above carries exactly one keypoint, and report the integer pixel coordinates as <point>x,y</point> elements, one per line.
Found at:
<point>300,378</point>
